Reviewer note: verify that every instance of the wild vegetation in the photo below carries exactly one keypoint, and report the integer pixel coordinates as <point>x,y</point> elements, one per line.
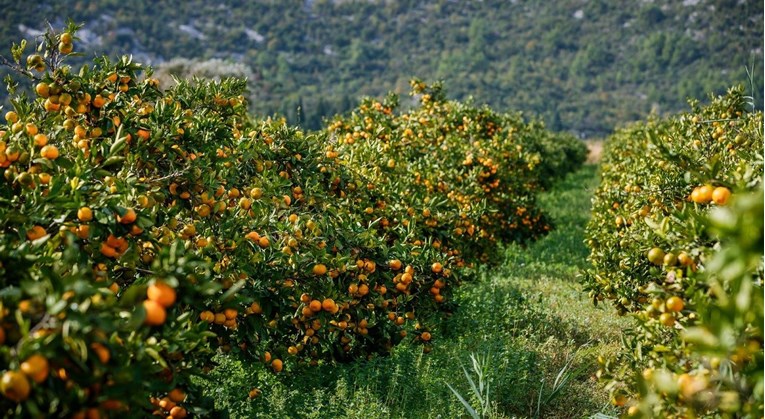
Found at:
<point>583,67</point>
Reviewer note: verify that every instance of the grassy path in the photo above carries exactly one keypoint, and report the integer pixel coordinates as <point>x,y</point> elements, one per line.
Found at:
<point>525,321</point>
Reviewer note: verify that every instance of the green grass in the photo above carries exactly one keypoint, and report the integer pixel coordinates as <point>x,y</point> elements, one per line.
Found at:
<point>528,316</point>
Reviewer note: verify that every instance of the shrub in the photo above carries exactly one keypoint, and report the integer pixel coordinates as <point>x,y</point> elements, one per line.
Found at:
<point>144,230</point>
<point>466,176</point>
<point>650,247</point>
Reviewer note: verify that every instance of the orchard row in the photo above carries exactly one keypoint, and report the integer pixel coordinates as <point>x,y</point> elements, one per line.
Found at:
<point>144,230</point>
<point>676,240</point>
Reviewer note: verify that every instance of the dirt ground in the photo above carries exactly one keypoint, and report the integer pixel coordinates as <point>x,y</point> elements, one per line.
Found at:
<point>596,150</point>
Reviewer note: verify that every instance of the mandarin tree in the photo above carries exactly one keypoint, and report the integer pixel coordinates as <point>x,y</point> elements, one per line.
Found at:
<point>144,230</point>
<point>653,256</point>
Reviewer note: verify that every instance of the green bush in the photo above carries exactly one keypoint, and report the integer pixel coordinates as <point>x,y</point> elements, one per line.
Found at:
<point>651,248</point>
<point>466,176</point>
<point>145,230</point>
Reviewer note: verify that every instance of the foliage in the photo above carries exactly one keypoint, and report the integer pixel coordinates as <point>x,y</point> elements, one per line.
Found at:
<point>145,230</point>
<point>482,391</point>
<point>466,176</point>
<point>652,255</point>
<point>584,67</point>
<point>529,314</point>
<point>727,342</point>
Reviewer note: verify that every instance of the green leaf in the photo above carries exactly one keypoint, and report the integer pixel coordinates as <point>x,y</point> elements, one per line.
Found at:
<point>700,336</point>
<point>104,216</point>
<point>111,161</point>
<point>473,414</point>
<point>119,144</point>
<point>133,295</point>
<point>156,356</point>
<point>57,307</point>
<point>231,292</point>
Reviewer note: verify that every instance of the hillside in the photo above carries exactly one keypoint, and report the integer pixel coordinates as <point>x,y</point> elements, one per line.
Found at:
<point>584,66</point>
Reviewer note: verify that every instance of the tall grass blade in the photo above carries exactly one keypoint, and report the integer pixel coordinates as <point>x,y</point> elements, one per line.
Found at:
<point>467,405</point>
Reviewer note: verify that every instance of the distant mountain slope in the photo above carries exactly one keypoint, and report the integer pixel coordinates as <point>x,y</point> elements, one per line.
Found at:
<point>583,65</point>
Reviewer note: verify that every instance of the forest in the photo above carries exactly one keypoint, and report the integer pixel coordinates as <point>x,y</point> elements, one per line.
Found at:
<point>582,66</point>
